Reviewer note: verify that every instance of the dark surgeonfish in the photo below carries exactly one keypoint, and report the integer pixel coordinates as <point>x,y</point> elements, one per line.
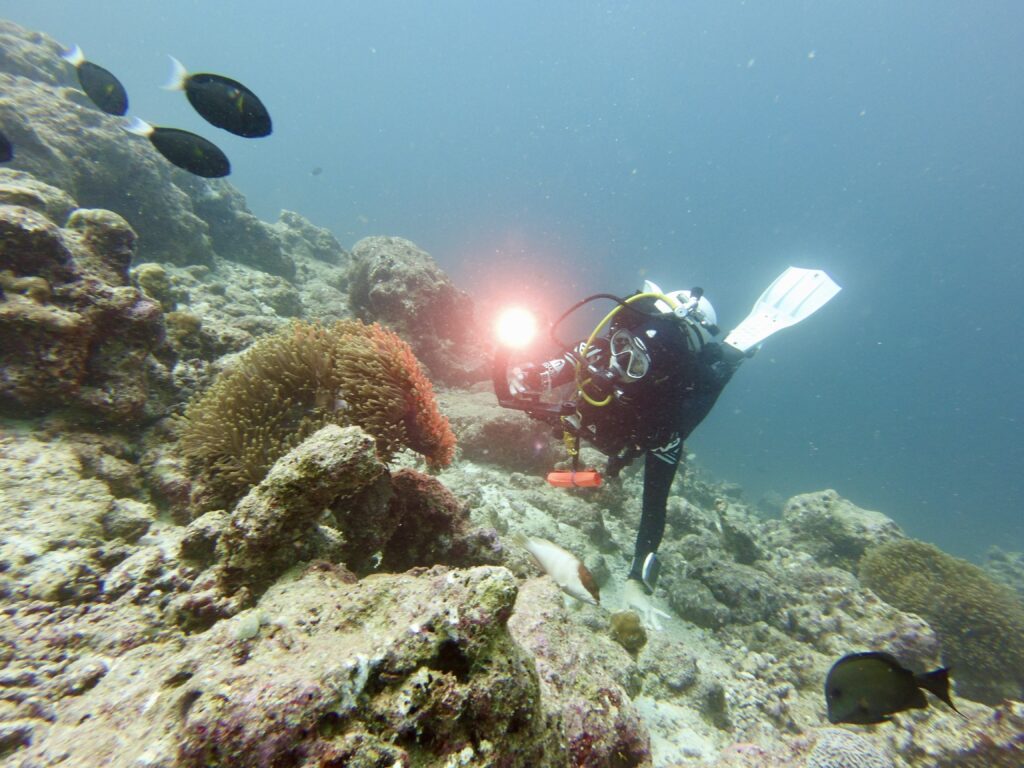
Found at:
<point>866,688</point>
<point>101,86</point>
<point>6,149</point>
<point>186,150</point>
<point>222,102</point>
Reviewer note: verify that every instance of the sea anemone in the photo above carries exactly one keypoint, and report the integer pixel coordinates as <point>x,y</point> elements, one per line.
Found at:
<point>291,383</point>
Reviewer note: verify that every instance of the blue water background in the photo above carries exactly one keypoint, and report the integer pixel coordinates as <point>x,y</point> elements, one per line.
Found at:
<point>544,150</point>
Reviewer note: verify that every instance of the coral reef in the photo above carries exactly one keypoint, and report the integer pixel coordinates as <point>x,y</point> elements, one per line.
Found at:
<point>979,622</point>
<point>687,695</point>
<point>585,681</point>
<point>74,334</point>
<point>293,382</point>
<point>287,503</point>
<point>303,603</point>
<point>832,529</point>
<point>987,739</point>
<point>427,675</point>
<point>393,282</point>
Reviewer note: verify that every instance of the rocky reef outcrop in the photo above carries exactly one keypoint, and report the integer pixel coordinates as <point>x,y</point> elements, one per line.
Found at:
<point>75,334</point>
<point>393,282</point>
<point>63,140</point>
<point>427,674</point>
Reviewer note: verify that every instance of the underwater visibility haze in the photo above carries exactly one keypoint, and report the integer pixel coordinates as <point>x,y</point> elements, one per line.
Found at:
<point>586,146</point>
<point>260,505</point>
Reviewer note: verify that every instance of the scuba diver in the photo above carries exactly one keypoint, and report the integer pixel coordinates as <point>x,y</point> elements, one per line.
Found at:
<point>644,380</point>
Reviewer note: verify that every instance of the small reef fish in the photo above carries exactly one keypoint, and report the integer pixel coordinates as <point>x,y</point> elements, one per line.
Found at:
<point>105,90</point>
<point>222,102</point>
<point>186,150</point>
<point>866,688</point>
<point>563,567</point>
<point>6,149</point>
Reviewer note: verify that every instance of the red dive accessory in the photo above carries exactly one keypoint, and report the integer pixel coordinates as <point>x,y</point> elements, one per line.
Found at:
<point>583,478</point>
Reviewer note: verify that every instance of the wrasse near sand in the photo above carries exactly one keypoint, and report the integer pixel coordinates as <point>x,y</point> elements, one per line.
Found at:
<point>563,567</point>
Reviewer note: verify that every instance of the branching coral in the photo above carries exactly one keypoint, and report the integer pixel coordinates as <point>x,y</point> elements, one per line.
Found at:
<point>979,622</point>
<point>289,384</point>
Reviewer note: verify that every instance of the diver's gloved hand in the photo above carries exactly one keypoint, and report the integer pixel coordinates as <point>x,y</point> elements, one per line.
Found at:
<point>635,598</point>
<point>525,378</point>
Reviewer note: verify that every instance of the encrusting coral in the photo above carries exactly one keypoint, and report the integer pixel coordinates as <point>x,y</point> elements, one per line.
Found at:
<point>980,623</point>
<point>291,383</point>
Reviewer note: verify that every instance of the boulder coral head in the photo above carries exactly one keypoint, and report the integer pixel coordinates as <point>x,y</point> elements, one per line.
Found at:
<point>291,383</point>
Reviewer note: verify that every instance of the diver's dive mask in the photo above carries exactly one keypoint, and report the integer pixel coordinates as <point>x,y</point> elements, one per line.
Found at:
<point>629,357</point>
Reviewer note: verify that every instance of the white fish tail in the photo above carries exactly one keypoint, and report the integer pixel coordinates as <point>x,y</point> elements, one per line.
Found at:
<point>138,126</point>
<point>178,76</point>
<point>74,57</point>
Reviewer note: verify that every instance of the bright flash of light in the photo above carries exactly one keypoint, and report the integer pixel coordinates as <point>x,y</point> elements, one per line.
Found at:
<point>516,327</point>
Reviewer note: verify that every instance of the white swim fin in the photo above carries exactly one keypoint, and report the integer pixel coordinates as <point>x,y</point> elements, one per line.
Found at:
<point>794,295</point>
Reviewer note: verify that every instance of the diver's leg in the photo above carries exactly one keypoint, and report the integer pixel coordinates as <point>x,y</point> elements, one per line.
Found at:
<point>659,470</point>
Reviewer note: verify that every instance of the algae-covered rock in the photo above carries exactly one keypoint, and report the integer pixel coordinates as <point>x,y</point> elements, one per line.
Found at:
<point>53,521</point>
<point>23,189</point>
<point>331,498</point>
<point>87,342</point>
<point>235,232</point>
<point>833,529</point>
<point>494,435</point>
<point>585,680</point>
<point>417,669</point>
<point>415,521</point>
<point>304,238</point>
<point>270,528</point>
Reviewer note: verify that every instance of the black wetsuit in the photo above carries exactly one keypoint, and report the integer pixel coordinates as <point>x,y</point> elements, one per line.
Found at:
<point>651,415</point>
